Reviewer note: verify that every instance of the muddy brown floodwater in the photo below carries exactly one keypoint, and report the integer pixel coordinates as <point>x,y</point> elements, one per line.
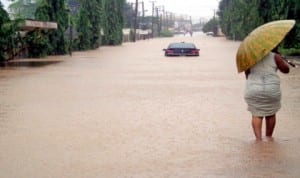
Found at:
<point>129,112</point>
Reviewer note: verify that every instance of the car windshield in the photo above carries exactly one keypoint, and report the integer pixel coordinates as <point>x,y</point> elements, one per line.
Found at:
<point>182,45</point>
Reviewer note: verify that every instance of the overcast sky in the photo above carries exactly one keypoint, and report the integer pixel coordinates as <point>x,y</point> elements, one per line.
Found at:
<point>195,8</point>
<point>5,3</point>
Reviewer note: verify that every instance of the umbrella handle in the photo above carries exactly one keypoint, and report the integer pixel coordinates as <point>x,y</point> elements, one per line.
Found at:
<point>289,62</point>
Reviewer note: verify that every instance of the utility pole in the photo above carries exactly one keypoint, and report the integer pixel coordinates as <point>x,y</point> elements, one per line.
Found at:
<point>70,31</point>
<point>143,18</point>
<point>163,17</point>
<point>132,16</point>
<point>172,19</point>
<point>215,28</point>
<point>167,21</point>
<point>135,19</point>
<point>214,14</point>
<point>158,23</point>
<point>191,30</point>
<point>160,17</point>
<point>152,24</point>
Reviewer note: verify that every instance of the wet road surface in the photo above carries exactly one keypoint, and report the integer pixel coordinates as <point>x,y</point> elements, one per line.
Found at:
<point>129,112</point>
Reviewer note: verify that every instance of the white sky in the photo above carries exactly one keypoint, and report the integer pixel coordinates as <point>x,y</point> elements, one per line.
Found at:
<point>5,3</point>
<point>195,8</point>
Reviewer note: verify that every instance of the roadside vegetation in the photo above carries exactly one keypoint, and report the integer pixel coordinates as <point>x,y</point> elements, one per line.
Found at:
<point>211,26</point>
<point>96,22</point>
<point>10,39</point>
<point>238,18</point>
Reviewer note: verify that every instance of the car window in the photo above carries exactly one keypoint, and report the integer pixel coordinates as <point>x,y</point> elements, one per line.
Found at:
<point>182,45</point>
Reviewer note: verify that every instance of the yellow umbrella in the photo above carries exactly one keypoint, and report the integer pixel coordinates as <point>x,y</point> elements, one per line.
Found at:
<point>260,42</point>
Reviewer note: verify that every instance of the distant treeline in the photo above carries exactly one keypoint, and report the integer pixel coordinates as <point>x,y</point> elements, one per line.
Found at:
<point>238,18</point>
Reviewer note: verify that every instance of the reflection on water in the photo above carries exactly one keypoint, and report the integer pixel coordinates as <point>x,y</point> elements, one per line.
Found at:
<point>262,150</point>
<point>27,63</point>
<point>268,159</point>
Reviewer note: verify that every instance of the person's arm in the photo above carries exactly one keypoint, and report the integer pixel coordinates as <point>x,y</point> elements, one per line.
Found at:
<point>281,64</point>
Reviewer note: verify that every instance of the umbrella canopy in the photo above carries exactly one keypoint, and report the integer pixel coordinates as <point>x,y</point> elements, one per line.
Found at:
<point>260,42</point>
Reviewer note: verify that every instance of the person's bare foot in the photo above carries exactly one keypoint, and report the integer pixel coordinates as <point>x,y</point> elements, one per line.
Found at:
<point>269,139</point>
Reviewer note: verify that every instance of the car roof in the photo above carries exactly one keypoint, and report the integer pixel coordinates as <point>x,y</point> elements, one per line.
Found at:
<point>182,45</point>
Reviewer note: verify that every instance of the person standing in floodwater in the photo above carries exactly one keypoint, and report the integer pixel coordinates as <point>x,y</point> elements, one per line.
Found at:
<point>263,93</point>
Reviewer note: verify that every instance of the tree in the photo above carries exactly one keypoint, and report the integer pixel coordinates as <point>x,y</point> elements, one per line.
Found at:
<point>84,26</point>
<point>4,33</point>
<point>89,24</point>
<point>10,38</point>
<point>239,17</point>
<point>211,26</point>
<point>37,41</point>
<point>45,42</point>
<point>113,21</point>
<point>58,13</point>
<point>96,19</point>
<point>271,10</point>
<point>292,40</point>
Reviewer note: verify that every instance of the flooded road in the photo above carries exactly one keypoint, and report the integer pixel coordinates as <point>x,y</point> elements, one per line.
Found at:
<point>129,112</point>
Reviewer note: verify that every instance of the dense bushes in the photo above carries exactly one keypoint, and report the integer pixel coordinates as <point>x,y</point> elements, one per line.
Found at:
<point>4,33</point>
<point>166,33</point>
<point>89,24</point>
<point>10,38</point>
<point>44,42</point>
<point>239,17</point>
<point>95,22</point>
<point>113,21</point>
<point>211,26</point>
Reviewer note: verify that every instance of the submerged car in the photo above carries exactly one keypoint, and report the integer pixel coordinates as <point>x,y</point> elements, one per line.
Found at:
<point>182,49</point>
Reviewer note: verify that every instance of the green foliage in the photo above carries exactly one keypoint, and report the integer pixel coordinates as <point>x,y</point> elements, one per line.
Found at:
<point>38,41</point>
<point>58,13</point>
<point>89,24</point>
<point>38,44</point>
<point>239,17</point>
<point>50,42</point>
<point>166,33</point>
<point>96,17</point>
<point>290,51</point>
<point>211,26</point>
<point>84,27</point>
<point>41,12</point>
<point>113,21</point>
<point>292,40</point>
<point>10,38</point>
<point>4,33</point>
